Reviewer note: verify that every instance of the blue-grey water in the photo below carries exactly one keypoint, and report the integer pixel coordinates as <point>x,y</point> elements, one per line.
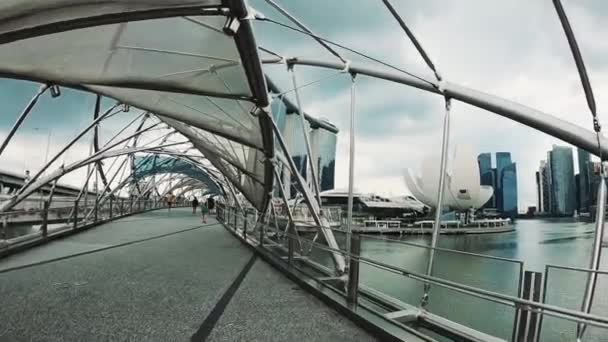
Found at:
<point>536,242</point>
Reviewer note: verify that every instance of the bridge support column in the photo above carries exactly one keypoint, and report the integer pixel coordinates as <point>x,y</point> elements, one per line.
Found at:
<point>352,291</point>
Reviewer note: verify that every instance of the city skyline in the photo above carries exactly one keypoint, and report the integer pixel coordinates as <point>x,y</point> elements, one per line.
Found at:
<point>562,191</point>
<point>503,178</point>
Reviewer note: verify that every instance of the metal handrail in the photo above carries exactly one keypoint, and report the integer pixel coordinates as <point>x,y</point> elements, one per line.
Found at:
<point>500,298</point>
<point>507,300</point>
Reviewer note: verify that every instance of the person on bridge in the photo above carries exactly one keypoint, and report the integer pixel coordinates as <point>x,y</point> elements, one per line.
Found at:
<point>170,200</point>
<point>194,204</point>
<point>211,204</point>
<point>204,211</point>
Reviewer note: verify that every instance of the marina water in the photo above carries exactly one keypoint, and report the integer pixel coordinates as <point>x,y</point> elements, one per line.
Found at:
<point>537,242</point>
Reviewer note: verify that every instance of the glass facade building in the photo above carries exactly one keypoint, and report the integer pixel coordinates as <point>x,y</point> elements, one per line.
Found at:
<point>503,159</point>
<point>509,190</point>
<point>563,189</point>
<point>485,163</point>
<point>503,178</point>
<point>584,180</point>
<point>323,146</point>
<point>323,149</point>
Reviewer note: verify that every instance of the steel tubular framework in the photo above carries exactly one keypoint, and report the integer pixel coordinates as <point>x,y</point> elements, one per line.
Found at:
<point>239,152</point>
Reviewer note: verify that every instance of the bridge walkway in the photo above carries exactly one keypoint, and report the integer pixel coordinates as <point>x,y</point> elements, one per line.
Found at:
<point>158,276</point>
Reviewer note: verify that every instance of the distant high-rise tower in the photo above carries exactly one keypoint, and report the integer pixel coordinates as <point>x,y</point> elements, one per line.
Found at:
<point>563,189</point>
<point>503,159</point>
<point>485,162</point>
<point>584,181</point>
<point>487,176</point>
<point>509,190</point>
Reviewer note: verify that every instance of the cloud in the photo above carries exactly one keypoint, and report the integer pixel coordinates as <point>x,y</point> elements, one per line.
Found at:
<point>514,49</point>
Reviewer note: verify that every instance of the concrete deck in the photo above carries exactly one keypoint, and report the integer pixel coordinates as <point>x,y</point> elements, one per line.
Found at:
<point>157,277</point>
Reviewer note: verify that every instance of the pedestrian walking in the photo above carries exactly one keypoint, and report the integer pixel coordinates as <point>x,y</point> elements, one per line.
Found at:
<point>204,211</point>
<point>194,204</point>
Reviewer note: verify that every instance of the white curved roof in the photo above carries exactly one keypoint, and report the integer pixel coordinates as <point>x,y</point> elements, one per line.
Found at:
<point>462,188</point>
<point>169,57</point>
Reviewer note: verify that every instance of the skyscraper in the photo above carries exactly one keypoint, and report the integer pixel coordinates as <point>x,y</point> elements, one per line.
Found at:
<point>323,146</point>
<point>485,162</point>
<point>503,159</point>
<point>545,175</point>
<point>509,190</point>
<point>487,176</point>
<point>539,190</point>
<point>562,181</point>
<point>503,179</point>
<point>584,181</point>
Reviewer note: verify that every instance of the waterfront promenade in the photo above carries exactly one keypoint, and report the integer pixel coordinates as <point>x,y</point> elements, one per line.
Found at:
<point>158,276</point>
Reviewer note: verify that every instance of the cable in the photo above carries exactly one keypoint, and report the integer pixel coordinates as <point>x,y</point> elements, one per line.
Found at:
<point>346,48</point>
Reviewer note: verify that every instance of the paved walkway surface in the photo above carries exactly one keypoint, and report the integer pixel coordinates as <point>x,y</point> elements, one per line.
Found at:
<point>157,276</point>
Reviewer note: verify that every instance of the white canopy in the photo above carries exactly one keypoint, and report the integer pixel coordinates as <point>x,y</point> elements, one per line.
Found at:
<point>172,58</point>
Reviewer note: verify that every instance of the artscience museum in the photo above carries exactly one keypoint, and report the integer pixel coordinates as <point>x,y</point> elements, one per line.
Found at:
<point>462,190</point>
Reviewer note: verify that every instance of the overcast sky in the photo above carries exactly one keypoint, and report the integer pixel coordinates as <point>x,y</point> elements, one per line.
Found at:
<point>514,49</point>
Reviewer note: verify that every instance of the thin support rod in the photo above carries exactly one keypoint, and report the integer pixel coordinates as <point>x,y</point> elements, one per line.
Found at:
<point>576,53</point>
<point>70,144</point>
<point>412,38</point>
<point>22,116</point>
<point>549,124</point>
<point>311,163</point>
<point>351,169</point>
<point>437,225</point>
<point>286,204</point>
<point>312,205</point>
<point>304,28</point>
<point>596,253</point>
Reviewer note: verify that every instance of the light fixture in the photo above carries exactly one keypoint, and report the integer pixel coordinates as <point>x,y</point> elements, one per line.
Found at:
<point>55,90</point>
<point>231,26</point>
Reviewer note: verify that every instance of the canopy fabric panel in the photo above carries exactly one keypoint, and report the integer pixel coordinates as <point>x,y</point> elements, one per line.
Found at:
<point>16,15</point>
<point>171,58</point>
<point>182,54</point>
<point>167,164</point>
<point>243,166</point>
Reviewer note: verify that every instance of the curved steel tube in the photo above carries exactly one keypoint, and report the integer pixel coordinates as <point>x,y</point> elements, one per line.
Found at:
<point>547,123</point>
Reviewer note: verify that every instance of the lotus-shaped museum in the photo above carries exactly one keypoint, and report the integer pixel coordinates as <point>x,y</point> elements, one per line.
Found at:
<point>462,189</point>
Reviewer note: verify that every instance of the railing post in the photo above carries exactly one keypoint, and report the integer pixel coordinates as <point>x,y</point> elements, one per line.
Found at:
<point>96,209</point>
<point>290,243</point>
<point>75,218</point>
<point>353,271</point>
<point>527,322</point>
<point>122,206</point>
<point>131,205</point>
<point>111,207</point>
<point>262,229</point>
<point>236,218</point>
<point>45,218</point>
<point>245,224</point>
<point>4,227</point>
